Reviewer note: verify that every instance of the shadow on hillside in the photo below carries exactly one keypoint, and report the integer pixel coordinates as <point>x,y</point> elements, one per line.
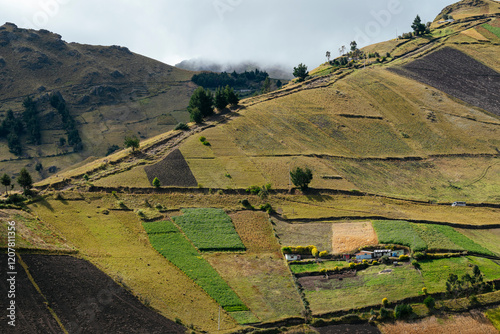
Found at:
<point>43,202</point>
<point>316,196</point>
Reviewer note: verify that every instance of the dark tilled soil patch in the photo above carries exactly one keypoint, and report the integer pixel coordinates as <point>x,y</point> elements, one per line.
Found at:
<point>347,328</point>
<point>172,171</point>
<point>31,314</point>
<point>458,75</point>
<point>88,301</point>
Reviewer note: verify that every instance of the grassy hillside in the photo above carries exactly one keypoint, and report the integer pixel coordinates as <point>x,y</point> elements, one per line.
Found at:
<point>389,154</point>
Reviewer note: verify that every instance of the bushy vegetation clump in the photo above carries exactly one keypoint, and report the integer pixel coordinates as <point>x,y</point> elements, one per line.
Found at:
<point>402,311</point>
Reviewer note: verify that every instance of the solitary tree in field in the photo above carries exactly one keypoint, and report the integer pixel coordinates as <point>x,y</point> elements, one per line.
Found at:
<point>25,181</point>
<point>418,27</point>
<point>328,55</point>
<point>300,72</point>
<point>6,181</point>
<point>132,142</point>
<point>301,177</point>
<point>156,183</point>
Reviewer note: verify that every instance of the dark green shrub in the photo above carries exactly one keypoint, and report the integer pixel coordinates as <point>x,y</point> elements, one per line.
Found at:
<point>384,313</point>
<point>402,311</point>
<point>254,190</point>
<point>156,183</point>
<point>286,250</point>
<point>182,126</point>
<point>415,264</point>
<point>419,255</point>
<point>15,198</point>
<point>202,139</point>
<point>430,303</point>
<point>246,204</point>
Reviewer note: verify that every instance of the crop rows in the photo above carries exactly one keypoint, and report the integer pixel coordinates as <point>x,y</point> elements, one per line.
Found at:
<point>210,230</point>
<point>160,227</point>
<point>178,250</point>
<point>435,238</point>
<point>400,233</point>
<point>462,241</point>
<point>426,237</point>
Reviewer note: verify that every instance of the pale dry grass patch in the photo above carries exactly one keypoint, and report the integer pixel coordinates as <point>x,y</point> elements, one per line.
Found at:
<point>474,34</point>
<point>350,236</point>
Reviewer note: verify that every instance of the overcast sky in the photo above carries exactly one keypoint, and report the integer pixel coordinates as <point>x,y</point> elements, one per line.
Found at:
<point>271,31</point>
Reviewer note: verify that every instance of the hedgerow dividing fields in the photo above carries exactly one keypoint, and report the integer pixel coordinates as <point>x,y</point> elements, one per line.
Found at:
<point>178,250</point>
<point>209,230</point>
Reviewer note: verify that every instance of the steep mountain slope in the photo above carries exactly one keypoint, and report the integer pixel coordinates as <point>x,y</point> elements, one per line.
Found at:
<point>381,145</point>
<point>110,92</point>
<point>375,129</point>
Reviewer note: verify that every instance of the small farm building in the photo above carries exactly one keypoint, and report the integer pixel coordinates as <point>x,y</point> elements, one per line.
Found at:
<point>381,252</point>
<point>292,257</point>
<point>397,252</point>
<point>364,255</point>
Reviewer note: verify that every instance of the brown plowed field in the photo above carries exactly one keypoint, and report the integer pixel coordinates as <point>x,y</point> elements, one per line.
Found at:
<point>349,329</point>
<point>85,300</point>
<point>172,171</point>
<point>32,316</point>
<point>458,75</point>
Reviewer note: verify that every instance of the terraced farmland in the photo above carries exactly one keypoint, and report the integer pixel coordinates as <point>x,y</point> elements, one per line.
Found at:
<point>178,250</point>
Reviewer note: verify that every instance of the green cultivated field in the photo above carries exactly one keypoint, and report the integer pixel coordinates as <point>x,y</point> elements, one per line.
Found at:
<point>435,272</point>
<point>210,230</point>
<point>426,237</point>
<point>315,267</point>
<point>400,233</point>
<point>486,238</point>
<point>178,250</point>
<point>369,286</point>
<point>494,316</point>
<point>434,238</point>
<point>462,241</point>
<point>492,29</point>
<point>160,227</point>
